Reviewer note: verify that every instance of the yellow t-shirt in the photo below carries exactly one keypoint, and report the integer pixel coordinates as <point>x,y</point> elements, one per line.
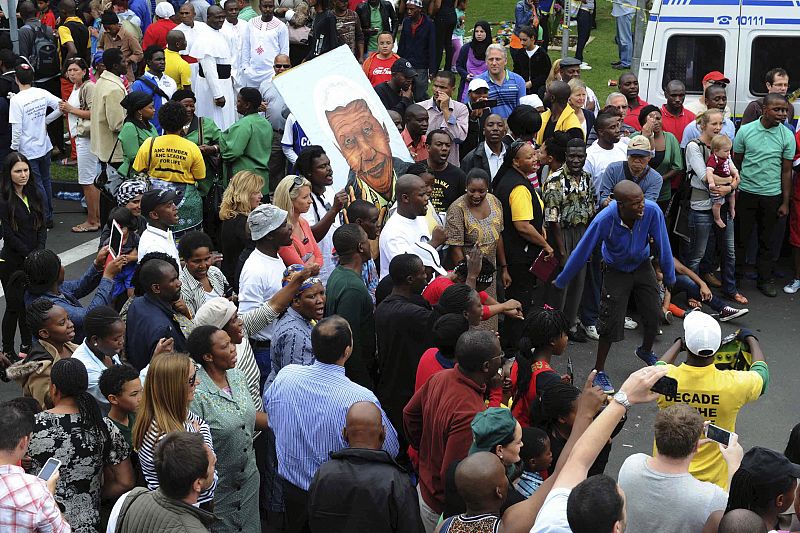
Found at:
<point>174,159</point>
<point>65,36</point>
<point>522,203</point>
<point>177,68</point>
<point>717,395</point>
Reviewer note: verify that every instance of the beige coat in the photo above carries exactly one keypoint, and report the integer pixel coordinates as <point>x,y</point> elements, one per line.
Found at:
<point>107,117</point>
<point>33,373</point>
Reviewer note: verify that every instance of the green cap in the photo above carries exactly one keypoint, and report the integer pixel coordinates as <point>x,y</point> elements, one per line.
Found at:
<point>491,427</point>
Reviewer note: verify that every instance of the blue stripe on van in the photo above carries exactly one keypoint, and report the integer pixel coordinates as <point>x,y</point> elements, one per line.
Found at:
<point>702,20</point>
<point>781,21</point>
<point>759,3</point>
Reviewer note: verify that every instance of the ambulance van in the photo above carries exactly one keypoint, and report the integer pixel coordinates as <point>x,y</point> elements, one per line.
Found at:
<point>686,39</point>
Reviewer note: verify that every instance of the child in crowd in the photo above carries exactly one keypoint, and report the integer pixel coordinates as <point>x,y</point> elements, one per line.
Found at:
<point>458,32</point>
<point>46,15</point>
<point>378,65</point>
<point>720,165</point>
<point>545,335</point>
<point>123,282</point>
<point>121,386</point>
<point>536,459</point>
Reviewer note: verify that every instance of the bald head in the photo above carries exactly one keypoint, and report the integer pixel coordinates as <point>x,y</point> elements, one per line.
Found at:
<point>626,190</point>
<point>408,184</point>
<point>67,7</point>
<point>282,58</point>
<point>559,91</point>
<point>364,426</point>
<point>741,521</point>
<point>481,482</point>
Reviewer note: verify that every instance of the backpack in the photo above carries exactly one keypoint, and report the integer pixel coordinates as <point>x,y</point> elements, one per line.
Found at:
<point>44,55</point>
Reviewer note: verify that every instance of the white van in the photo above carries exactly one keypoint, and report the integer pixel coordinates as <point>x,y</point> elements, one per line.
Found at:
<point>686,39</point>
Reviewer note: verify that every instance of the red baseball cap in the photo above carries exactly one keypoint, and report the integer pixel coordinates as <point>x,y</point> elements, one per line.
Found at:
<point>715,75</point>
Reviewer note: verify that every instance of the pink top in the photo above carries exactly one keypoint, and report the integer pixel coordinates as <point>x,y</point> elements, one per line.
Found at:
<point>293,254</point>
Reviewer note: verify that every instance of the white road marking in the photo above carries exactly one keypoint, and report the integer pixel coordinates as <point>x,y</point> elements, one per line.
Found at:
<point>73,255</point>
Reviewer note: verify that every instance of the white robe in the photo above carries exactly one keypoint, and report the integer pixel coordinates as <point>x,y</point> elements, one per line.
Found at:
<point>262,41</point>
<point>233,33</point>
<point>191,34</point>
<point>212,50</point>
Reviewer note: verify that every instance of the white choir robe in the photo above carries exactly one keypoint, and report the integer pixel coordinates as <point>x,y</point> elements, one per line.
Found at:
<point>233,33</point>
<point>191,34</point>
<point>262,41</point>
<point>212,50</point>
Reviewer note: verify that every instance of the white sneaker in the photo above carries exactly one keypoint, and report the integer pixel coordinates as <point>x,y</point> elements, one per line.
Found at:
<point>591,332</point>
<point>793,287</point>
<point>630,323</point>
<point>586,66</point>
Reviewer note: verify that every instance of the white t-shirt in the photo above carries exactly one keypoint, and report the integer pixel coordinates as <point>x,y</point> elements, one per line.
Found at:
<point>552,517</point>
<point>260,279</point>
<point>158,240</point>
<point>397,236</point>
<point>27,113</point>
<point>314,215</point>
<point>597,159</point>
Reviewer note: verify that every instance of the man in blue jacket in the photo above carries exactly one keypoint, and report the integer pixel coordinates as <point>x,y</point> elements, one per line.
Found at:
<point>625,228</point>
<point>418,46</point>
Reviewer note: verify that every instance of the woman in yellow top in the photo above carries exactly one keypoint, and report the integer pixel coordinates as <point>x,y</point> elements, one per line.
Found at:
<point>173,162</point>
<point>560,116</point>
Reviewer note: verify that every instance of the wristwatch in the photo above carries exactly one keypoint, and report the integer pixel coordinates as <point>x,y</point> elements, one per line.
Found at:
<point>622,399</point>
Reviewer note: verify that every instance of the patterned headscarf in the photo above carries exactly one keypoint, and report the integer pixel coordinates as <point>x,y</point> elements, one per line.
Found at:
<point>130,189</point>
<point>290,271</point>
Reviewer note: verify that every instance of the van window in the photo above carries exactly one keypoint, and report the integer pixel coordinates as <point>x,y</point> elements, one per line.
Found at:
<point>690,57</point>
<point>767,53</point>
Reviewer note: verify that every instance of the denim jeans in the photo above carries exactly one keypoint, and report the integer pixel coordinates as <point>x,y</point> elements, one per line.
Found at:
<point>702,229</point>
<point>264,362</point>
<point>625,39</point>
<point>584,20</point>
<point>684,283</point>
<point>40,167</point>
<point>420,84</point>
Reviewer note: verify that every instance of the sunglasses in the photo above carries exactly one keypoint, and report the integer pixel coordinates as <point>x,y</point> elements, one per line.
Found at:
<point>193,378</point>
<point>277,66</point>
<point>297,182</point>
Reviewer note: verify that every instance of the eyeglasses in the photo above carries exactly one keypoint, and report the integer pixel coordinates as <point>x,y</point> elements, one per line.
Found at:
<point>193,378</point>
<point>276,66</point>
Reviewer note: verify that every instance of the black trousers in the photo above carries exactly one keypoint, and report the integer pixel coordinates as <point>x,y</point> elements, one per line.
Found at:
<point>543,19</point>
<point>616,291</point>
<point>523,288</point>
<point>584,19</point>
<point>759,213</point>
<point>296,501</point>
<point>444,39</point>
<point>15,308</point>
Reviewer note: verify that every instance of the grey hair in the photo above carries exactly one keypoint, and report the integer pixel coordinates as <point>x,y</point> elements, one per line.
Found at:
<point>498,47</point>
<point>612,96</point>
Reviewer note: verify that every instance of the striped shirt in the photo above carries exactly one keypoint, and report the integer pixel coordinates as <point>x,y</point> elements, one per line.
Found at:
<point>507,94</point>
<point>291,343</point>
<point>307,407</point>
<point>194,294</point>
<point>148,445</point>
<point>246,363</point>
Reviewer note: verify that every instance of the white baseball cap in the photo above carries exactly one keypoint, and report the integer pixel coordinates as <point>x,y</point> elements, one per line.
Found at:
<point>477,83</point>
<point>429,256</point>
<point>701,333</point>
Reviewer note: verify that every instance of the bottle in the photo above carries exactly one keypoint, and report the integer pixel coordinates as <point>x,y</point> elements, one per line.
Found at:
<point>60,195</point>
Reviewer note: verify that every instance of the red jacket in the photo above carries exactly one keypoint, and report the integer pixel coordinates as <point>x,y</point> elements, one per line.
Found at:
<point>156,33</point>
<point>437,423</point>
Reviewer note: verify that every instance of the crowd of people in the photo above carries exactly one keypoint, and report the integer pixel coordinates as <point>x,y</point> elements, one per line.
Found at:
<point>255,349</point>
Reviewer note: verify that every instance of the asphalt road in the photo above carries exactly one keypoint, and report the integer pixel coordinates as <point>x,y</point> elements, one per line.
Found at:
<point>766,422</point>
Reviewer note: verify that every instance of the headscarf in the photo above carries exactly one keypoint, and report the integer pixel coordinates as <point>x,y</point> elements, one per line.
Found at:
<point>646,110</point>
<point>479,47</point>
<point>290,271</point>
<point>133,102</point>
<point>182,94</point>
<point>130,189</point>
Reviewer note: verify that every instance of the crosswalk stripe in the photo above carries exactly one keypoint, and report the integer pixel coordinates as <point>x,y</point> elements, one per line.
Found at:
<point>73,255</point>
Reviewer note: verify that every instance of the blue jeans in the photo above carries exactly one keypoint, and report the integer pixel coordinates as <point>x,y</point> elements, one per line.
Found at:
<point>40,167</point>
<point>625,39</point>
<point>702,229</point>
<point>264,362</point>
<point>684,283</point>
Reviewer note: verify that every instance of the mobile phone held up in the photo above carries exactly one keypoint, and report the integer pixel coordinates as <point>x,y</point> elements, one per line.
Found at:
<point>49,469</point>
<point>718,434</point>
<point>480,104</point>
<point>667,386</point>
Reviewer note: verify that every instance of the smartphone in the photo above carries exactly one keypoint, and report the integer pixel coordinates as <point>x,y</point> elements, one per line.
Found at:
<point>718,434</point>
<point>481,104</point>
<point>667,386</point>
<point>49,469</point>
<point>115,240</point>
<point>570,370</point>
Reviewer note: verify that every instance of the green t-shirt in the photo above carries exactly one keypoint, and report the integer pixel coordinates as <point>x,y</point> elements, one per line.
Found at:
<point>247,13</point>
<point>126,430</point>
<point>764,150</point>
<point>375,22</point>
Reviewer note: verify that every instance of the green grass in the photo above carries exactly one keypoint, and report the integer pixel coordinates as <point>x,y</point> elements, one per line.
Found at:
<point>599,53</point>
<point>62,173</point>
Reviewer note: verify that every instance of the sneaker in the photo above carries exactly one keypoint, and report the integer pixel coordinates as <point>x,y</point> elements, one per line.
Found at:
<point>578,335</point>
<point>616,63</point>
<point>591,332</point>
<point>793,287</point>
<point>621,67</point>
<point>729,313</point>
<point>676,311</point>
<point>585,66</point>
<point>604,382</point>
<point>767,288</point>
<point>668,317</point>
<point>630,323</point>
<point>648,357</point>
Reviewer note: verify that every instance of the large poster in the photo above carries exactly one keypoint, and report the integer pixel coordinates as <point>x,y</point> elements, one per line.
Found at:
<point>337,108</point>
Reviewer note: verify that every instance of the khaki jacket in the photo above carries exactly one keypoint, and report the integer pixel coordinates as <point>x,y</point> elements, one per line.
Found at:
<point>33,373</point>
<point>107,117</point>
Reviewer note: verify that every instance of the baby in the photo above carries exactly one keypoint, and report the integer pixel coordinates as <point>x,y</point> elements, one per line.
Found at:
<point>719,165</point>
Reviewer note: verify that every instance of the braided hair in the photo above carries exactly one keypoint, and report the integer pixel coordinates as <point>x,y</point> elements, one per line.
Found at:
<point>70,379</point>
<point>41,269</point>
<point>446,332</point>
<point>37,313</point>
<point>455,299</point>
<point>553,403</point>
<point>749,492</point>
<point>541,328</point>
